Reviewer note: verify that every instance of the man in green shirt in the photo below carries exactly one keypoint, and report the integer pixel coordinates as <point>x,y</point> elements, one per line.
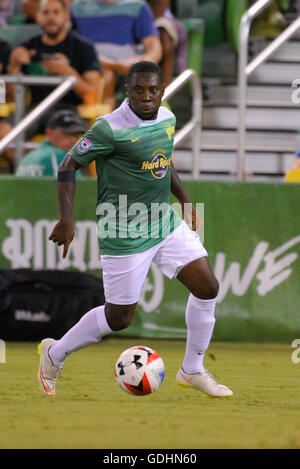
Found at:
<point>63,130</point>
<point>132,149</point>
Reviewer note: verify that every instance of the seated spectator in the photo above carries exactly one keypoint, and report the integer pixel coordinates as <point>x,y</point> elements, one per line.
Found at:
<point>62,132</point>
<point>174,39</point>
<point>117,29</point>
<point>30,10</point>
<point>58,51</point>
<point>270,23</point>
<point>6,10</point>
<point>6,159</point>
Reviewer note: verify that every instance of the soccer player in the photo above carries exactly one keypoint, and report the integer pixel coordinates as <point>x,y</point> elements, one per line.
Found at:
<point>132,149</point>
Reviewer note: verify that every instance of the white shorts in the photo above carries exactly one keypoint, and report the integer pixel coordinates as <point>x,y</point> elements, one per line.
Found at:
<point>124,276</point>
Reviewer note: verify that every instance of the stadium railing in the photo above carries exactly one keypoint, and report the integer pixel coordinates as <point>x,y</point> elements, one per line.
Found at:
<point>65,84</point>
<point>245,69</point>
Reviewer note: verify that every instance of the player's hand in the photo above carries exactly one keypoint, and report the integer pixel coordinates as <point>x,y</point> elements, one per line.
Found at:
<point>63,234</point>
<point>192,217</point>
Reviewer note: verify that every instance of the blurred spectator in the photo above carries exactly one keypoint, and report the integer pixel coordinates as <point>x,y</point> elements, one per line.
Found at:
<point>57,51</point>
<point>4,56</point>
<point>293,175</point>
<point>6,10</point>
<point>117,29</point>
<point>62,132</point>
<point>270,23</point>
<point>6,159</point>
<point>174,39</point>
<point>30,9</point>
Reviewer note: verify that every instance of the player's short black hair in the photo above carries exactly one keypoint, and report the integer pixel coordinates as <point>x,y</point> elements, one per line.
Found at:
<point>143,67</point>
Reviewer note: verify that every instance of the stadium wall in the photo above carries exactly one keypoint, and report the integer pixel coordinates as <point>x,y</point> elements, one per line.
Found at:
<point>252,234</point>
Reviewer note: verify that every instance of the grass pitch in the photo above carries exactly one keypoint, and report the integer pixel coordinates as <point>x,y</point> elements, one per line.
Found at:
<point>91,411</point>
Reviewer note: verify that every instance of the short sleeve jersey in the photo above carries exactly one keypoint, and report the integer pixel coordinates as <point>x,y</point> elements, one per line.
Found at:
<point>133,163</point>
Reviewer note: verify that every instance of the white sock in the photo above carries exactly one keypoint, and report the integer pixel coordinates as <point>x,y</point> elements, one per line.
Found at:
<point>200,323</point>
<point>91,328</point>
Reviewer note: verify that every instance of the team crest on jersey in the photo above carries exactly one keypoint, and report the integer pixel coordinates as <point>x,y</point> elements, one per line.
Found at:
<point>84,145</point>
<point>170,131</point>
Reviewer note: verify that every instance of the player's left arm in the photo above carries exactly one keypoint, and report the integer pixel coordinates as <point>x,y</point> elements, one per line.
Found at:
<point>189,211</point>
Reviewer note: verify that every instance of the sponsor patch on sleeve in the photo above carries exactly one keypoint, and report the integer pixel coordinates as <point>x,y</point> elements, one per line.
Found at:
<point>84,145</point>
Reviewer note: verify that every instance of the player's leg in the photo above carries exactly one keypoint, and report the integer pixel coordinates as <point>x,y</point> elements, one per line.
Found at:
<point>89,329</point>
<point>199,279</point>
<point>123,278</point>
<point>119,316</point>
<point>183,256</point>
<point>94,325</point>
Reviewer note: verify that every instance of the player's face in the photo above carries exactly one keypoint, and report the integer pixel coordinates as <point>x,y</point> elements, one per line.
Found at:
<point>52,17</point>
<point>145,91</point>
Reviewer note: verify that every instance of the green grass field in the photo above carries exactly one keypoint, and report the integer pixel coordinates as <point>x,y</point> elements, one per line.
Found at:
<point>91,411</point>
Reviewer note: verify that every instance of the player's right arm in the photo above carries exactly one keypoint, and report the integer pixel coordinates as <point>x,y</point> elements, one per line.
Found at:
<point>96,143</point>
<point>63,232</point>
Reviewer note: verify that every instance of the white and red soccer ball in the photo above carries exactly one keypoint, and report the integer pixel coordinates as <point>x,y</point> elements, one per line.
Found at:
<point>139,370</point>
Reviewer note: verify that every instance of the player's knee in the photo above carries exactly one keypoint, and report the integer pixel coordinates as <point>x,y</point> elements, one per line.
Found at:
<point>119,319</point>
<point>208,290</point>
<point>123,322</point>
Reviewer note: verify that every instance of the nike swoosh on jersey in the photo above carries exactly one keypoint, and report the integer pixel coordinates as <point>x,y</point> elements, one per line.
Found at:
<point>135,139</point>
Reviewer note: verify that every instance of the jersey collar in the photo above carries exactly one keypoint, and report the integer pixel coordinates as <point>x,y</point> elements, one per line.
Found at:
<point>132,117</point>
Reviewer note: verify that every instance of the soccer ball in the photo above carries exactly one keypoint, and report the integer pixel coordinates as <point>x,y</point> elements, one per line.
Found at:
<point>139,370</point>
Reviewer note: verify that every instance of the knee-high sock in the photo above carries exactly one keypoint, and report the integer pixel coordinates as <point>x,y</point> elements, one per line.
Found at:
<point>200,323</point>
<point>91,328</point>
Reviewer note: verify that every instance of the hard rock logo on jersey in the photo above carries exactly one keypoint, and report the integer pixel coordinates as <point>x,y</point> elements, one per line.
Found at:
<point>158,166</point>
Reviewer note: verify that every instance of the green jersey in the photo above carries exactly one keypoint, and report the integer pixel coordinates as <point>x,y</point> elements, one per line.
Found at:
<point>133,163</point>
<point>44,161</point>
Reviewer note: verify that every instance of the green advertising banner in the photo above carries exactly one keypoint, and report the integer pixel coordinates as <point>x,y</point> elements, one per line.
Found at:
<point>251,233</point>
